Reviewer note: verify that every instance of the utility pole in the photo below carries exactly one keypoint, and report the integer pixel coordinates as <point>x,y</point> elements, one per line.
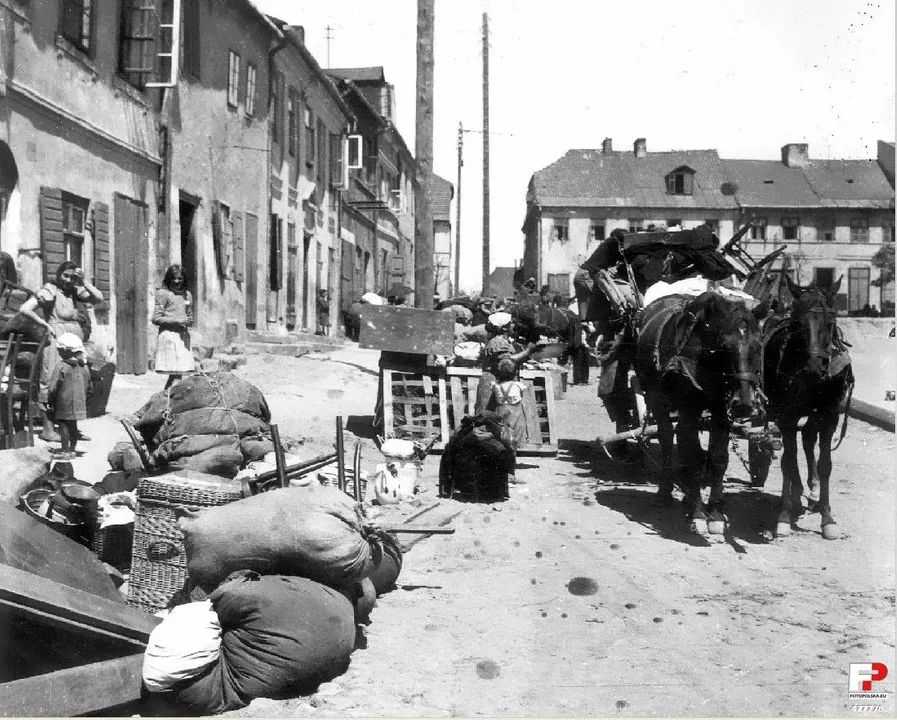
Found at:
<point>423,142</point>
<point>329,35</point>
<point>458,210</point>
<point>485,288</point>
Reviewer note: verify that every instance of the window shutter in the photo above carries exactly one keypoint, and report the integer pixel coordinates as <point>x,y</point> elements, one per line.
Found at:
<point>52,244</point>
<point>227,247</point>
<point>101,267</point>
<point>239,252</point>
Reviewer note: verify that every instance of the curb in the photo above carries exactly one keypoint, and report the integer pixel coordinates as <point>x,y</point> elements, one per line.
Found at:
<point>872,414</point>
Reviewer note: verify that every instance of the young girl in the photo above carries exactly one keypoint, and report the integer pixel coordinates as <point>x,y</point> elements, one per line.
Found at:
<point>173,314</point>
<point>67,391</point>
<point>507,404</point>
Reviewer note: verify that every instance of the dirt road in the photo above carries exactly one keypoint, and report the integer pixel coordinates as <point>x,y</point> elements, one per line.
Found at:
<point>580,597</point>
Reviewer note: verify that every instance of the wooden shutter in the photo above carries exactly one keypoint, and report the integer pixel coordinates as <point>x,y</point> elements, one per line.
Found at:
<point>52,243</point>
<point>239,248</point>
<point>101,268</point>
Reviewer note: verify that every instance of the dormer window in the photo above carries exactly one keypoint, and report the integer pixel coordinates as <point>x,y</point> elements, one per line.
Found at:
<point>681,181</point>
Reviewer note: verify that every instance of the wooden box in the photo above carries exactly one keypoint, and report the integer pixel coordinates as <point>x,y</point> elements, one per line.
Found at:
<point>407,330</point>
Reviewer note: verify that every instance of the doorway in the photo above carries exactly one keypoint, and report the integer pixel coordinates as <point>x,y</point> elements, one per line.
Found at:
<point>306,279</point>
<point>187,215</point>
<point>252,273</point>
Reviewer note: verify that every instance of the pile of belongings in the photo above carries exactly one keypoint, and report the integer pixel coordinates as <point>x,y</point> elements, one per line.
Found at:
<point>213,423</point>
<point>477,460</point>
<point>277,584</point>
<point>695,286</point>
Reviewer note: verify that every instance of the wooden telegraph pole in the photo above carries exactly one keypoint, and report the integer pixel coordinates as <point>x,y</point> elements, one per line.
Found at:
<point>423,146</point>
<point>457,287</point>
<point>485,289</point>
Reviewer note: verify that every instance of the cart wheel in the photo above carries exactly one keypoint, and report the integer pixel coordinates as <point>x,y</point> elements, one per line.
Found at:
<point>759,460</point>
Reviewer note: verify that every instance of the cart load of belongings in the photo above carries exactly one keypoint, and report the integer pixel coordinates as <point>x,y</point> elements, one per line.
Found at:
<point>213,423</point>
<point>477,460</point>
<point>277,583</point>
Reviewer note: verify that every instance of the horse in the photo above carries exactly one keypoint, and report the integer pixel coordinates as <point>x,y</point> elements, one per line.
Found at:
<point>537,319</point>
<point>695,354</point>
<point>806,373</point>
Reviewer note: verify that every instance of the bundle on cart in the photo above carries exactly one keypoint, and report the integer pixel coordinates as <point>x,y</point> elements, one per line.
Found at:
<point>209,422</point>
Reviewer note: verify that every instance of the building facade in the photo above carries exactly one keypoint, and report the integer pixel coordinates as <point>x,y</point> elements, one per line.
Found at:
<point>443,259</point>
<point>833,215</point>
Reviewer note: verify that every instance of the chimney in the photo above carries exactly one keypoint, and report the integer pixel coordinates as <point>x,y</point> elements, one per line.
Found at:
<point>299,30</point>
<point>607,147</point>
<point>640,149</point>
<point>796,155</point>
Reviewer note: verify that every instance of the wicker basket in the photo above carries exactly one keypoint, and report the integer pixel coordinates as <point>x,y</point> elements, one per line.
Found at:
<point>158,558</point>
<point>113,545</point>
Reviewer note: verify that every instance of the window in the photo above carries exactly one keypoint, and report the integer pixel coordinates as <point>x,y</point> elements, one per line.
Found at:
<point>674,223</point>
<point>336,160</point>
<point>137,42</point>
<point>635,225</point>
<point>322,151</point>
<point>680,182</point>
<point>790,228</point>
<point>713,225</point>
<point>310,144</point>
<point>824,276</point>
<point>292,127</point>
<point>596,233</point>
<point>250,89</point>
<point>758,229</point>
<point>859,230</point>
<point>77,23</point>
<point>276,100</point>
<point>559,283</point>
<point>233,79</point>
<point>857,288</point>
<point>74,212</point>
<point>560,231</point>
<point>190,37</point>
<point>887,230</point>
<point>354,152</point>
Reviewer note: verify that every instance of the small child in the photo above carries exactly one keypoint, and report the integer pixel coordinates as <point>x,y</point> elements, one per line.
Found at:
<point>507,404</point>
<point>69,387</point>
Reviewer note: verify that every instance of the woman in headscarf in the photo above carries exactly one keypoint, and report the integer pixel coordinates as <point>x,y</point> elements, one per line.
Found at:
<point>57,300</point>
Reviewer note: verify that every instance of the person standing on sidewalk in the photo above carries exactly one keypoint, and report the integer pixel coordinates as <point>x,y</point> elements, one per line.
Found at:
<point>67,391</point>
<point>57,302</point>
<point>173,314</point>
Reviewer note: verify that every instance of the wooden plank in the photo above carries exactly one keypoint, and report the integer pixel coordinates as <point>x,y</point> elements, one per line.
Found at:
<point>473,384</point>
<point>409,330</point>
<point>459,407</point>
<point>412,400</point>
<point>552,420</point>
<point>427,383</point>
<point>444,430</point>
<point>386,394</point>
<point>29,591</point>
<point>531,414</point>
<point>74,691</point>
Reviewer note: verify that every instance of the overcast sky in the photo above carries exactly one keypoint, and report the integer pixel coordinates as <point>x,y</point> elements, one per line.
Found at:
<point>741,76</point>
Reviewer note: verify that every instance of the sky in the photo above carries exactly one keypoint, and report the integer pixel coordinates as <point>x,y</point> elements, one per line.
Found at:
<point>743,77</point>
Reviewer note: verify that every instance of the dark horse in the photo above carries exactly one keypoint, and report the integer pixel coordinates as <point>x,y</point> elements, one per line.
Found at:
<point>695,354</point>
<point>806,373</point>
<point>537,319</point>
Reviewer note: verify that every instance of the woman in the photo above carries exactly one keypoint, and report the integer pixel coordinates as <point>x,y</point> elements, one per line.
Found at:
<point>57,302</point>
<point>498,348</point>
<point>173,314</point>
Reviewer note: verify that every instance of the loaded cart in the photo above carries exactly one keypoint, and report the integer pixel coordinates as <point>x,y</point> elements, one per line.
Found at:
<point>639,260</point>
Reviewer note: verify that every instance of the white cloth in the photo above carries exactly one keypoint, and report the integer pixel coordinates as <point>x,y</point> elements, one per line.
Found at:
<point>499,319</point>
<point>117,509</point>
<point>173,354</point>
<point>694,286</point>
<point>373,299</point>
<point>181,646</point>
<point>398,448</point>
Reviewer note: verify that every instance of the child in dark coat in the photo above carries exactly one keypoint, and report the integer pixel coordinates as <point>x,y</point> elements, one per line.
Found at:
<point>68,389</point>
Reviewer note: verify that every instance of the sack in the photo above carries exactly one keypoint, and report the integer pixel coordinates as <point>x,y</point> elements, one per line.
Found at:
<point>211,421</point>
<point>255,448</point>
<point>386,571</point>
<point>314,532</point>
<point>187,445</point>
<point>277,632</point>
<point>222,460</point>
<point>182,646</point>
<point>123,456</point>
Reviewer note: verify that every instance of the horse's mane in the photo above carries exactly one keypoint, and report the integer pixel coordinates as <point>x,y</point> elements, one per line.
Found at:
<point>730,311</point>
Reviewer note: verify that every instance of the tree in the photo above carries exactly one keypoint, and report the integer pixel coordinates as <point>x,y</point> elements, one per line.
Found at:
<point>884,261</point>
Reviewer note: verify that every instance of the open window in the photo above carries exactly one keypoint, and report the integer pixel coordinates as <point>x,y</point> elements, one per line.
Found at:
<point>354,156</point>
<point>147,38</point>
<point>681,181</point>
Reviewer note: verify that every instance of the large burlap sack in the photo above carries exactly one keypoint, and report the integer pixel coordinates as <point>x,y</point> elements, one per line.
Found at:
<point>221,460</point>
<point>277,633</point>
<point>187,445</point>
<point>186,642</point>
<point>313,531</point>
<point>256,448</point>
<point>211,421</point>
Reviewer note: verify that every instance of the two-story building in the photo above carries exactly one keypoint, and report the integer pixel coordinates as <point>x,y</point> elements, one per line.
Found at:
<point>80,160</point>
<point>443,257</point>
<point>833,214</point>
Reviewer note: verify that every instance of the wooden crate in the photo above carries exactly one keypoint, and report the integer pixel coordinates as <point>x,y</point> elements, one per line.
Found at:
<point>416,405</point>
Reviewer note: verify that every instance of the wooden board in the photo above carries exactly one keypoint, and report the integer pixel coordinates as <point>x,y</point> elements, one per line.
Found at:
<point>74,691</point>
<point>409,330</point>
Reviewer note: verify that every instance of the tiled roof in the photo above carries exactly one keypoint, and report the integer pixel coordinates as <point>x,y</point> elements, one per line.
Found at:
<point>441,199</point>
<point>850,183</point>
<point>361,74</point>
<point>770,183</point>
<point>588,178</point>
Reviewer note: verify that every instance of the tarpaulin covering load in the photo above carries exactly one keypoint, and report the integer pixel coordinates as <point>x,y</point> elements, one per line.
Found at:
<point>314,531</point>
<point>277,633</point>
<point>209,422</point>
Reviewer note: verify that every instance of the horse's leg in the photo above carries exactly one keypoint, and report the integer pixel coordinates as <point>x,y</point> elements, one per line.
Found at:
<point>690,452</point>
<point>790,475</point>
<point>828,423</point>
<point>665,437</point>
<point>808,436</point>
<point>717,462</point>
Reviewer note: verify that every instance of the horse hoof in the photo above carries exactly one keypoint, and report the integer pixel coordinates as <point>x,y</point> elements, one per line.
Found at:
<point>716,527</point>
<point>831,532</point>
<point>699,526</point>
<point>783,529</point>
